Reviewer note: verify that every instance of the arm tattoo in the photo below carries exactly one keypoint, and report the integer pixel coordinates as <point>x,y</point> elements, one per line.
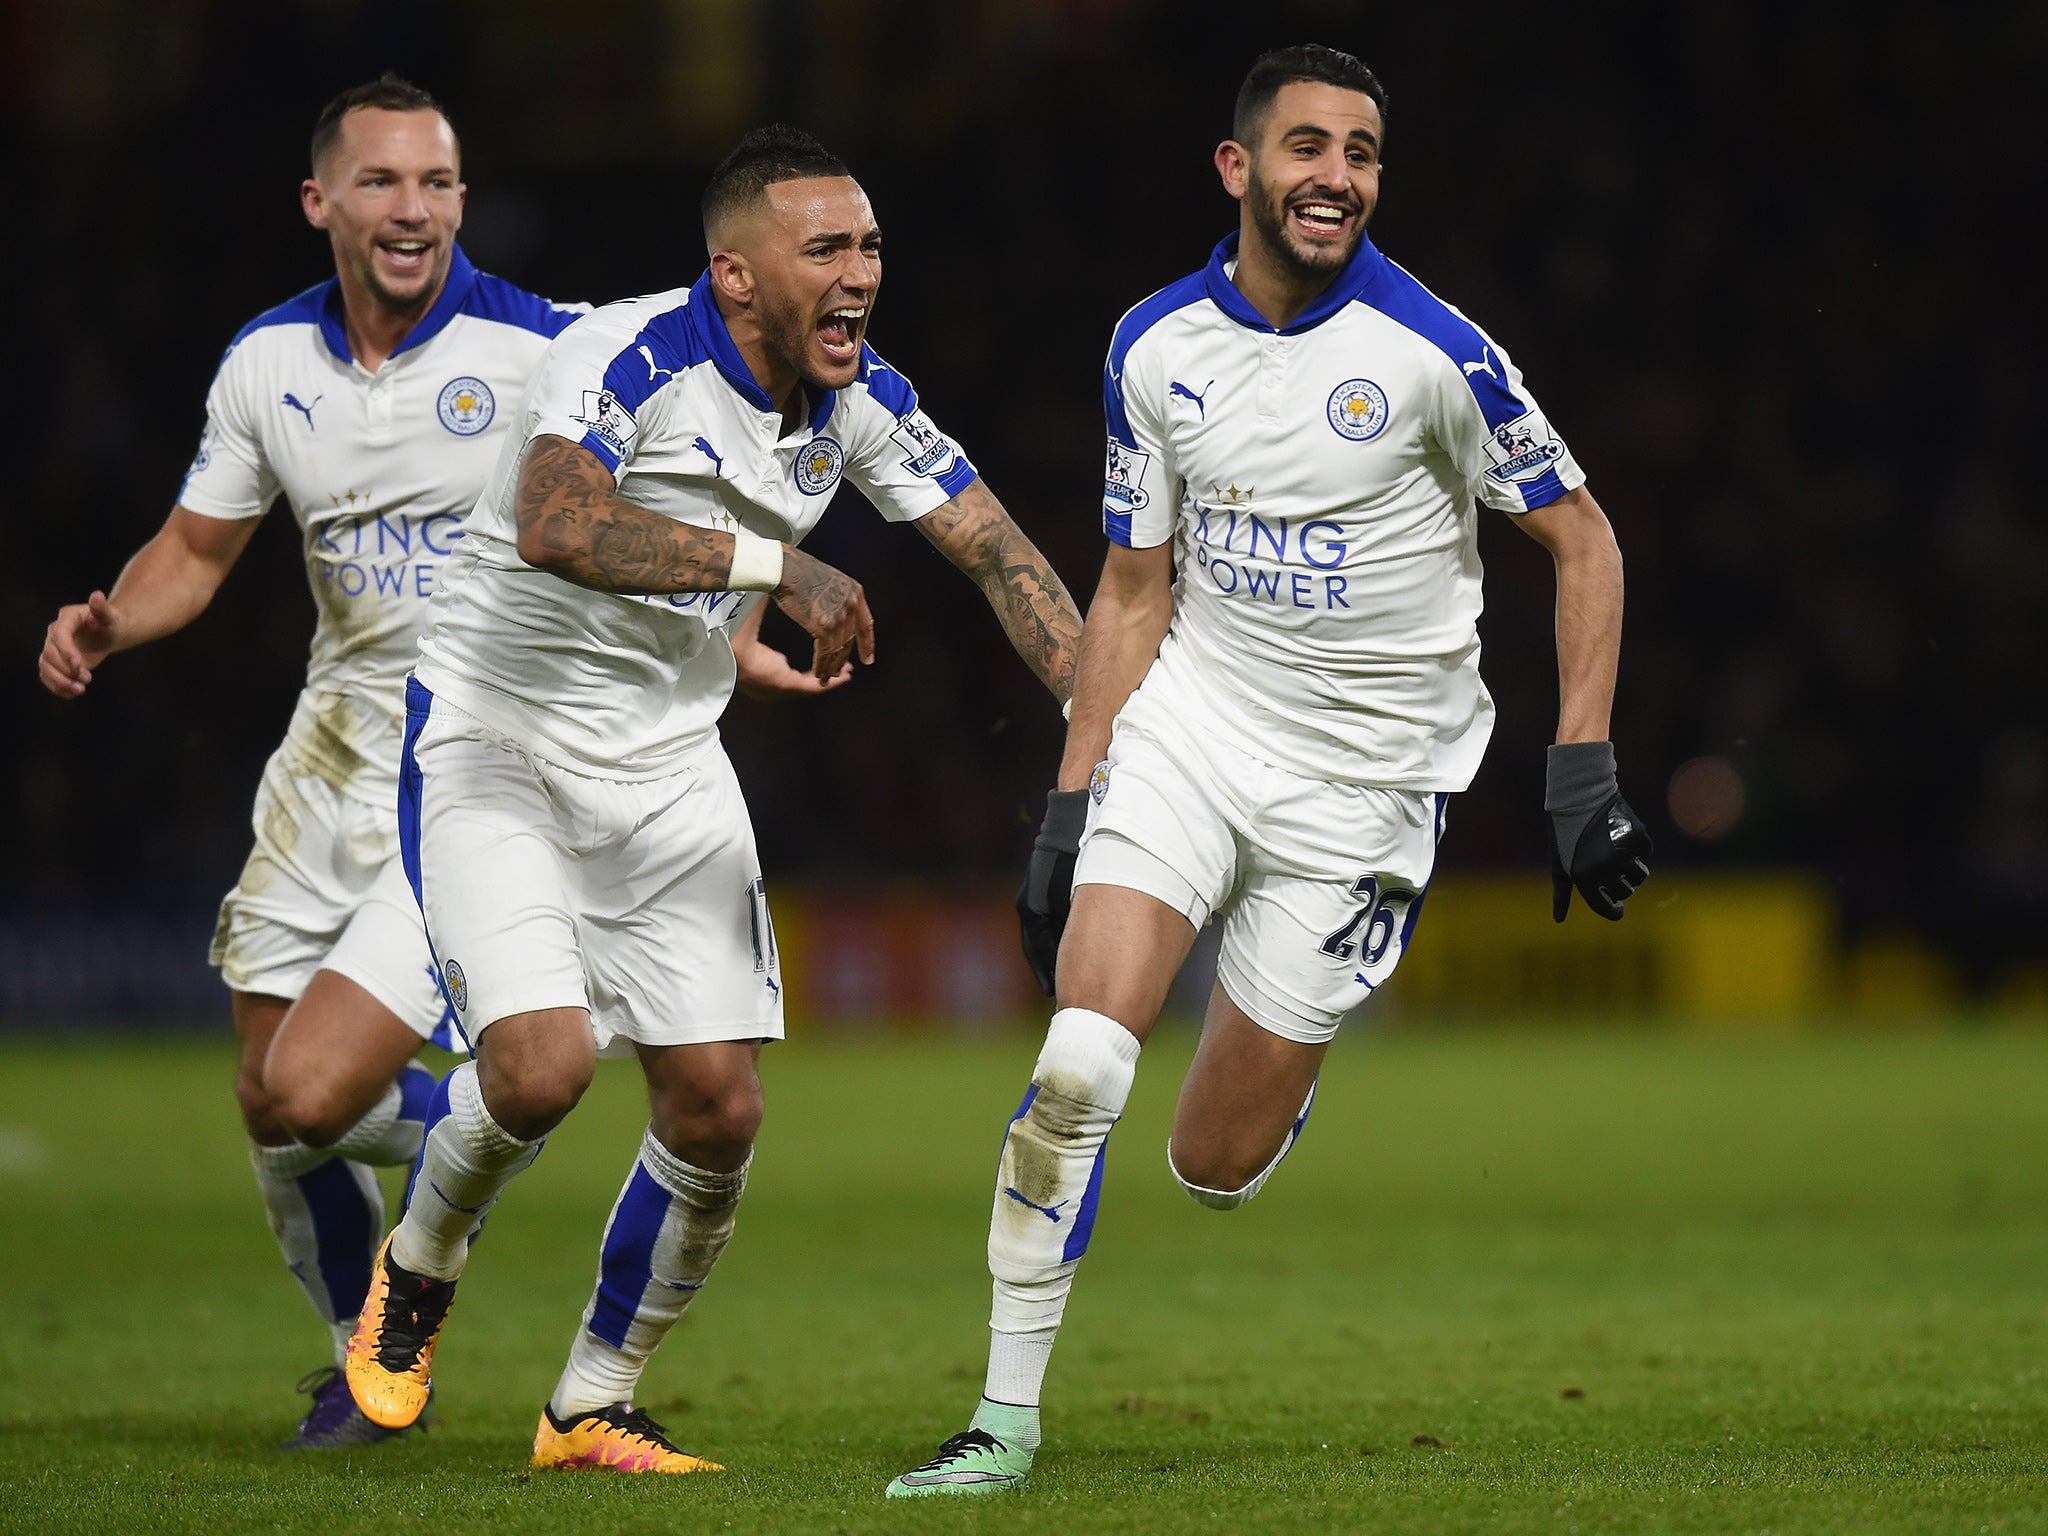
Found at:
<point>976,534</point>
<point>574,524</point>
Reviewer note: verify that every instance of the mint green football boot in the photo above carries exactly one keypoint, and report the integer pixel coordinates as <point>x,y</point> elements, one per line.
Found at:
<point>990,1457</point>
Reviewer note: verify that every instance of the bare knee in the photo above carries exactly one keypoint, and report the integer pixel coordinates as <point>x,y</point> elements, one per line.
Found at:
<point>532,1078</point>
<point>259,1111</point>
<point>257,1018</point>
<point>316,1110</point>
<point>707,1110</point>
<point>1214,1165</point>
<point>716,1133</point>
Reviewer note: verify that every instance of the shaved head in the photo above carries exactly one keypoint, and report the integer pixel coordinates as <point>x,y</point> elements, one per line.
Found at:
<point>736,194</point>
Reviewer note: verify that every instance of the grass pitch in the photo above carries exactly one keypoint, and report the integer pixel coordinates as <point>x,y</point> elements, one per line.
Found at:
<point>1507,1283</point>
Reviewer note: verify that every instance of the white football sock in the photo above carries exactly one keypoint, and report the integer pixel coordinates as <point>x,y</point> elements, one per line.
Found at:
<point>671,1222</point>
<point>1046,1187</point>
<point>326,1214</point>
<point>466,1161</point>
<point>389,1134</point>
<point>1231,1199</point>
<point>1016,1366</point>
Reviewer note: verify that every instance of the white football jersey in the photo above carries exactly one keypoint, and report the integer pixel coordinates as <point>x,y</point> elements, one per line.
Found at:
<point>629,687</point>
<point>379,469</point>
<point>1318,482</point>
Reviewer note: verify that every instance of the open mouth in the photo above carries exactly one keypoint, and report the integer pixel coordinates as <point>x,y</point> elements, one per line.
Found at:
<point>840,331</point>
<point>1319,218</point>
<point>405,257</point>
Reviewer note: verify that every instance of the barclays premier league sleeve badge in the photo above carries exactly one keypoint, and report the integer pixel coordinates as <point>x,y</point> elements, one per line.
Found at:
<point>1522,449</point>
<point>926,450</point>
<point>607,420</point>
<point>1123,481</point>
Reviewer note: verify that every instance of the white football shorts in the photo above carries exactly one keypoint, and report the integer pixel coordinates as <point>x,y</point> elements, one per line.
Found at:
<point>323,889</point>
<point>638,901</point>
<point>1318,884</point>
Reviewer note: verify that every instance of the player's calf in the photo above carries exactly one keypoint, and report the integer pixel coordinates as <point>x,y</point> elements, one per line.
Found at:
<point>1047,1183</point>
<point>668,1228</point>
<point>1213,1179</point>
<point>1050,1172</point>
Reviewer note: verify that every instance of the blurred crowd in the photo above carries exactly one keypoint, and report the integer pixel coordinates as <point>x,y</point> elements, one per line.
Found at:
<point>1764,266</point>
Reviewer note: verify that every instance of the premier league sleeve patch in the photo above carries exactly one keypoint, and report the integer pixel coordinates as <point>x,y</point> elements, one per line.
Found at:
<point>608,421</point>
<point>1522,449</point>
<point>467,406</point>
<point>1123,481</point>
<point>926,450</point>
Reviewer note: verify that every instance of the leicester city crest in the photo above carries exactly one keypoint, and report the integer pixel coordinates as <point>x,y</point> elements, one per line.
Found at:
<point>458,986</point>
<point>818,464</point>
<point>1358,410</point>
<point>467,406</point>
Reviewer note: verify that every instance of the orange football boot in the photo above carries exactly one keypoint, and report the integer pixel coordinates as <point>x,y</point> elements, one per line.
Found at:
<point>618,1438</point>
<point>391,1353</point>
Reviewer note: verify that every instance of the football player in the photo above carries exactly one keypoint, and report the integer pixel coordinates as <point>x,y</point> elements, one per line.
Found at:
<point>1279,690</point>
<point>572,825</point>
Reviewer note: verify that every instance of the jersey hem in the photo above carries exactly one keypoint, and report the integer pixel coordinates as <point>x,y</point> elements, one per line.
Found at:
<point>218,510</point>
<point>508,716</point>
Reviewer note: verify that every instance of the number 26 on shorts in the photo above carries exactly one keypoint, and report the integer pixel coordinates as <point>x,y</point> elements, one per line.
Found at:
<point>1368,935</point>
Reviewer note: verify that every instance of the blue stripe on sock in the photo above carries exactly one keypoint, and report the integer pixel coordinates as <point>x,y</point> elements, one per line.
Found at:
<point>626,1267</point>
<point>1084,1219</point>
<point>416,1087</point>
<point>436,1112</point>
<point>342,1233</point>
<point>1308,1105</point>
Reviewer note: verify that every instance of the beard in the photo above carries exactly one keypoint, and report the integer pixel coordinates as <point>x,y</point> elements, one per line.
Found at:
<point>787,333</point>
<point>1270,222</point>
<point>403,303</point>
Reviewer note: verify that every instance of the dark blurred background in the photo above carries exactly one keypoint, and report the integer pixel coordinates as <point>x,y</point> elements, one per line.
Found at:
<point>1765,267</point>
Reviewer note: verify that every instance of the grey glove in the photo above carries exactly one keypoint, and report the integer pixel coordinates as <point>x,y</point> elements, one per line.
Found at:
<point>1048,888</point>
<point>1597,842</point>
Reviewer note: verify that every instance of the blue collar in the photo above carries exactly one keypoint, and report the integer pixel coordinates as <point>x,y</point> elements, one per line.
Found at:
<point>725,356</point>
<point>447,305</point>
<point>1346,286</point>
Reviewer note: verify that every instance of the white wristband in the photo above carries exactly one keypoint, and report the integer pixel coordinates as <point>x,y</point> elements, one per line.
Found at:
<point>1067,711</point>
<point>756,563</point>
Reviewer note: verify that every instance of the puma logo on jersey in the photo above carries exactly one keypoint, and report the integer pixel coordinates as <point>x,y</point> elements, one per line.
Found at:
<point>1176,388</point>
<point>656,371</point>
<point>705,448</point>
<point>1484,365</point>
<point>304,410</point>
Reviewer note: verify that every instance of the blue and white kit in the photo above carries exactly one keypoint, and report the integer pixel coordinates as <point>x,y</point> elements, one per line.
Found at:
<point>379,469</point>
<point>1318,696</point>
<point>578,839</point>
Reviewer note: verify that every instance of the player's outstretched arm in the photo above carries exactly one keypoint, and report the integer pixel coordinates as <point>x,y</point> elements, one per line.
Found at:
<point>1598,844</point>
<point>574,524</point>
<point>163,588</point>
<point>976,534</point>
